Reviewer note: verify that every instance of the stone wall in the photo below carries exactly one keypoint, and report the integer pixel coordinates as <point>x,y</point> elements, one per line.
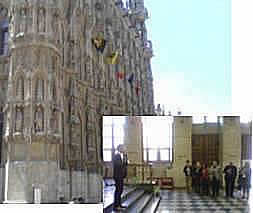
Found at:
<point>182,148</point>
<point>231,141</point>
<point>133,139</point>
<point>58,84</point>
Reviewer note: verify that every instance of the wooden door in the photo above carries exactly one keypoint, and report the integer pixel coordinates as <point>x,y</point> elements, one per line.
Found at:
<point>205,148</point>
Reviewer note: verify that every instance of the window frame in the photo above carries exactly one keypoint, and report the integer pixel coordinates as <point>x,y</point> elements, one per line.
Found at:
<point>113,126</point>
<point>170,147</point>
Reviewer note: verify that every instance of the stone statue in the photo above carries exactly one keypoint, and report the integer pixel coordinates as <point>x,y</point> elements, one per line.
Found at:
<point>39,120</point>
<point>19,119</point>
<point>41,21</point>
<point>71,52</point>
<point>54,121</point>
<point>53,91</point>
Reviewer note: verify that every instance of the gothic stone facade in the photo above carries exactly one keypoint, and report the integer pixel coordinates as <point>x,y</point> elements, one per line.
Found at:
<point>55,85</point>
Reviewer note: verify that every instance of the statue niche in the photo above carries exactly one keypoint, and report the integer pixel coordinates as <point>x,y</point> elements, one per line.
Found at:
<point>54,125</point>
<point>19,119</point>
<point>53,91</point>
<point>39,90</point>
<point>39,120</point>
<point>22,26</point>
<point>55,27</point>
<point>41,21</point>
<point>20,89</point>
<point>91,150</point>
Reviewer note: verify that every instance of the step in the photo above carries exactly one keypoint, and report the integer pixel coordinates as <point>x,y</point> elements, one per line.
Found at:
<point>135,196</point>
<point>108,203</point>
<point>140,205</point>
<point>152,205</point>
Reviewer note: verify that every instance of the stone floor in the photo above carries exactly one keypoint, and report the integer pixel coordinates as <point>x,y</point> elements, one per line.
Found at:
<point>180,201</point>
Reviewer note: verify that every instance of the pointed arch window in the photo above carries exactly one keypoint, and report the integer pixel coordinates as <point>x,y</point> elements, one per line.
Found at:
<point>20,93</point>
<point>39,89</point>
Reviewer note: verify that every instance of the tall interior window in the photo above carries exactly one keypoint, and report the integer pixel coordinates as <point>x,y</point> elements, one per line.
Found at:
<point>4,35</point>
<point>157,138</point>
<point>113,135</point>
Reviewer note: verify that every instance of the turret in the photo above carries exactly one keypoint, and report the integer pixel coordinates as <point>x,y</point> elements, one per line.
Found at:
<point>34,97</point>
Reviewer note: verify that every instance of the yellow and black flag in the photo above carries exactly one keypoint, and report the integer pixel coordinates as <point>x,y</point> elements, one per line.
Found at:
<point>113,58</point>
<point>99,43</point>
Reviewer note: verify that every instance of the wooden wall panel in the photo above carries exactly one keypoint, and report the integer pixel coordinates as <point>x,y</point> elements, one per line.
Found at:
<point>205,148</point>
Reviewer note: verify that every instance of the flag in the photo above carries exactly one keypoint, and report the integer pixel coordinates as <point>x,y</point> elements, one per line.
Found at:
<point>99,43</point>
<point>112,59</point>
<point>120,75</point>
<point>130,79</point>
<point>137,88</point>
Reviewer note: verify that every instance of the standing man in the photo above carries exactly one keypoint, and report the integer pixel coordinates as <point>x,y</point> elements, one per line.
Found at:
<point>188,175</point>
<point>246,179</point>
<point>230,175</point>
<point>119,173</point>
<point>215,178</point>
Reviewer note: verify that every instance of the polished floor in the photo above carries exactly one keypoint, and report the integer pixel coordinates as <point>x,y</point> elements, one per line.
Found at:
<point>181,201</point>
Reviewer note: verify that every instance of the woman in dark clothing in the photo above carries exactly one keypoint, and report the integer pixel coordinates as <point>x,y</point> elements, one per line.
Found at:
<point>204,180</point>
<point>196,173</point>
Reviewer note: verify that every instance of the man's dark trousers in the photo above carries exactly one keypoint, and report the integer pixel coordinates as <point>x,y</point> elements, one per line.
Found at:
<point>118,191</point>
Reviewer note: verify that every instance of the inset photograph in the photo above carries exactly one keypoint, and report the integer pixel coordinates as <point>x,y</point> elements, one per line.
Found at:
<point>177,163</point>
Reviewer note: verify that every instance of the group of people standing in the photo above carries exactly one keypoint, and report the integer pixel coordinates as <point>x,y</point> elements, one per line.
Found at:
<point>208,180</point>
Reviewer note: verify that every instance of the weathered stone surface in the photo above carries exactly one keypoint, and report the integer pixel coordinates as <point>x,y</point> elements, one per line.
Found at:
<point>55,86</point>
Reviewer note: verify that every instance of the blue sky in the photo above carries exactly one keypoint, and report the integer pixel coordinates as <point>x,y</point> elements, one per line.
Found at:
<point>192,48</point>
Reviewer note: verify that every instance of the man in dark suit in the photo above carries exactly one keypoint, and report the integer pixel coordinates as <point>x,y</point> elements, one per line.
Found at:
<point>119,173</point>
<point>230,176</point>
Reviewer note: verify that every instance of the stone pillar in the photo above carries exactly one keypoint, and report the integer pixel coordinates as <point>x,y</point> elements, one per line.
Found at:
<point>133,139</point>
<point>182,148</point>
<point>133,142</point>
<point>231,141</point>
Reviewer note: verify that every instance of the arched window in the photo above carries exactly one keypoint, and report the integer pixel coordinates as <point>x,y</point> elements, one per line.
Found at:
<point>20,88</point>
<point>39,89</point>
